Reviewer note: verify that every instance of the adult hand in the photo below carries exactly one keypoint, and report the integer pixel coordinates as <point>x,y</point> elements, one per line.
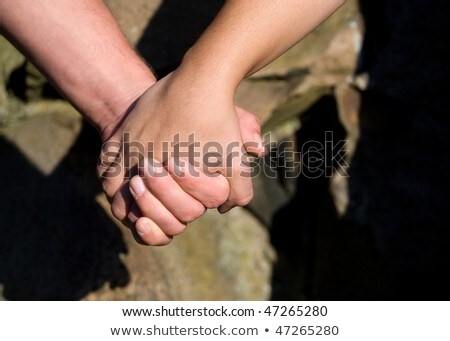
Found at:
<point>166,198</point>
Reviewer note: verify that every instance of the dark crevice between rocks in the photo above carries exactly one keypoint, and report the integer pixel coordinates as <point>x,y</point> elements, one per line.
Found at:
<point>294,75</point>
<point>294,230</point>
<point>392,242</point>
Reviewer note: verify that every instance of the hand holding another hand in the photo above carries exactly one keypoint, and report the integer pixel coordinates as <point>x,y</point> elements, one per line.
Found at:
<point>167,191</point>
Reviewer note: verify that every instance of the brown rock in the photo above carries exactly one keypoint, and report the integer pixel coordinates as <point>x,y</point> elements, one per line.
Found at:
<point>71,247</point>
<point>218,258</point>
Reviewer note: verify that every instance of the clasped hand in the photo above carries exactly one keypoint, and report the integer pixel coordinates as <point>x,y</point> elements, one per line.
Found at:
<point>156,189</point>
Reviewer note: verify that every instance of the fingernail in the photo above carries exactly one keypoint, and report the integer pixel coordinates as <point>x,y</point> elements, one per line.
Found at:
<point>134,214</point>
<point>143,226</point>
<point>137,187</point>
<point>132,217</point>
<point>224,209</point>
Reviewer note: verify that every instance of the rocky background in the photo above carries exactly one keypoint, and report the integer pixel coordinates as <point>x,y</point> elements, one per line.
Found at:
<point>58,239</point>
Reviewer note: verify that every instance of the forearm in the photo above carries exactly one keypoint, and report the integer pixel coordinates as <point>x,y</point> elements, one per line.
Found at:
<point>249,34</point>
<point>79,47</point>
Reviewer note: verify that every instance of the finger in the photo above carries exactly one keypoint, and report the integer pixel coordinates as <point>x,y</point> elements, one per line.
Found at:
<point>150,233</point>
<point>109,168</point>
<point>153,209</point>
<point>241,195</point>
<point>145,233</point>
<point>250,129</point>
<point>109,155</point>
<point>210,189</point>
<point>134,214</point>
<point>122,201</point>
<point>241,188</point>
<point>182,205</point>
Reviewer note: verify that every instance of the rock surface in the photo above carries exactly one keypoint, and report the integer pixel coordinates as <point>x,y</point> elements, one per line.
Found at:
<point>69,246</point>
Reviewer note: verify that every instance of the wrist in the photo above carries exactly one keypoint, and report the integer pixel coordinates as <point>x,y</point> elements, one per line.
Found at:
<point>211,72</point>
<point>116,94</point>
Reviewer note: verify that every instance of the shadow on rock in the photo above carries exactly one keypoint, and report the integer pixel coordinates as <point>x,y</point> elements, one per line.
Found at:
<point>175,27</point>
<point>55,241</point>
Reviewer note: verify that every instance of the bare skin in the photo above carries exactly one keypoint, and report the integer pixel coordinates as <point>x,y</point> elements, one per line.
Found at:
<point>79,47</point>
<point>246,36</point>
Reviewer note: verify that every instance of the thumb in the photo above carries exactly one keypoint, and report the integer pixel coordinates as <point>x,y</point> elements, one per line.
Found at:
<point>250,129</point>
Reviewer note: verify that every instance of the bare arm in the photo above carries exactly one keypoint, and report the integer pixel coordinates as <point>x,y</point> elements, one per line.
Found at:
<point>199,96</point>
<point>249,34</point>
<point>79,47</point>
<point>246,36</point>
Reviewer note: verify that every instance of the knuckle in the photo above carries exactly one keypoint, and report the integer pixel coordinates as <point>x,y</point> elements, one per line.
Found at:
<point>216,201</point>
<point>245,200</point>
<point>219,196</point>
<point>193,214</point>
